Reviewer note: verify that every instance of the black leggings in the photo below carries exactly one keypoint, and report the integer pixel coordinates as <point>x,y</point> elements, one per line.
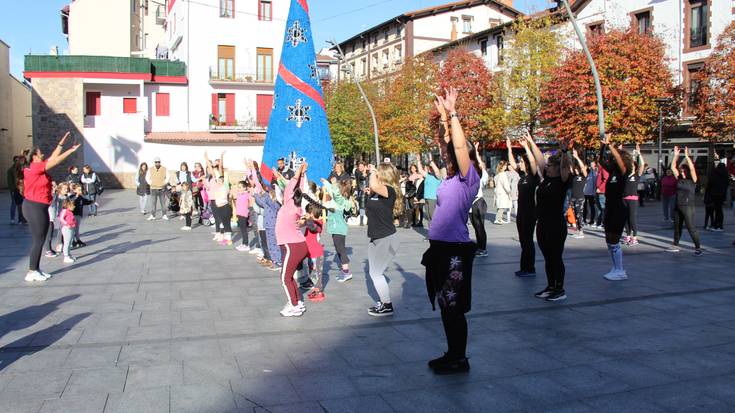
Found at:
<point>37,216</point>
<point>616,215</point>
<point>50,236</point>
<point>551,237</point>
<point>631,224</point>
<point>225,218</point>
<point>339,245</point>
<point>264,244</point>
<point>215,214</point>
<point>242,224</point>
<point>455,328</point>
<point>719,215</point>
<point>526,223</point>
<point>477,218</point>
<point>589,208</point>
<point>684,214</point>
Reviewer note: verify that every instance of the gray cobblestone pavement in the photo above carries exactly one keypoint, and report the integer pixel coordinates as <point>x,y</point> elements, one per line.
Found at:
<point>153,319</point>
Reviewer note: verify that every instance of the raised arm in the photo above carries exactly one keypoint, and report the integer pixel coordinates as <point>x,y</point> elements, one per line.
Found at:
<point>616,156</point>
<point>639,158</point>
<point>511,160</point>
<point>582,166</point>
<point>479,158</point>
<point>537,155</point>
<point>565,167</point>
<point>692,171</point>
<point>531,168</point>
<point>375,185</point>
<point>420,165</point>
<point>459,142</point>
<point>675,163</point>
<point>57,156</point>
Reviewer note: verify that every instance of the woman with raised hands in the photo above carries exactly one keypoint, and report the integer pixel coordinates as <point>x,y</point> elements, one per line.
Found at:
<point>554,175</point>
<point>449,259</point>
<point>526,215</point>
<point>37,194</point>
<point>686,177</point>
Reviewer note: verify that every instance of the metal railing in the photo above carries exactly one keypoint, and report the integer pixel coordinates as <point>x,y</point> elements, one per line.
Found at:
<point>240,77</point>
<point>239,125</point>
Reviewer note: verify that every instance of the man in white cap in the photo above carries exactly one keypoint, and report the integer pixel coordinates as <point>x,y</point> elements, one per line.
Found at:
<point>159,177</point>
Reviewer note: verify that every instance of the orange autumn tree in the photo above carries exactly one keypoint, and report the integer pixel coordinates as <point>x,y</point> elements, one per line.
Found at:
<point>715,98</point>
<point>470,76</point>
<point>405,107</point>
<point>633,72</point>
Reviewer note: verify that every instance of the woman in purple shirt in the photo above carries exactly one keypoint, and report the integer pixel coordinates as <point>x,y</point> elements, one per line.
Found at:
<point>448,260</point>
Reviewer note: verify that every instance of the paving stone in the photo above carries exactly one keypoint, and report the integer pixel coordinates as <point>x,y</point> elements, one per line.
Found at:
<point>154,400</point>
<point>197,398</point>
<point>90,357</point>
<point>150,375</point>
<point>96,381</point>
<point>77,403</point>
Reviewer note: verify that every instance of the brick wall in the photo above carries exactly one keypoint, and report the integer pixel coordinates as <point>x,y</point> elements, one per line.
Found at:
<point>57,107</point>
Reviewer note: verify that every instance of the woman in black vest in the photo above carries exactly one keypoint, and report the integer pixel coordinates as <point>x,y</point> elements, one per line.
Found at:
<point>142,187</point>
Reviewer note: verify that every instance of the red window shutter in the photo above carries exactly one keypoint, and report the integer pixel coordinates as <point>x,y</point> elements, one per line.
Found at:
<point>215,106</point>
<point>230,109</point>
<point>94,104</point>
<point>260,10</point>
<point>130,105</point>
<point>263,109</point>
<point>162,104</point>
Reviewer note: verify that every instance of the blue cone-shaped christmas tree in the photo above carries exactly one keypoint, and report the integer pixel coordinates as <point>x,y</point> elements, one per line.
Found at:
<point>298,124</point>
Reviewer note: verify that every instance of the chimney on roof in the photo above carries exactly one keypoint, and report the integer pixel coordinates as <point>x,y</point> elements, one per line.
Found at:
<point>508,3</point>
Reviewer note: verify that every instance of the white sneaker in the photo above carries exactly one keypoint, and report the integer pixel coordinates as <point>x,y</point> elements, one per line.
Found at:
<point>578,235</point>
<point>165,217</point>
<point>343,277</point>
<point>291,311</point>
<point>34,276</point>
<point>46,275</point>
<point>69,260</point>
<point>151,218</point>
<point>181,218</point>
<point>616,275</point>
<point>142,212</point>
<point>256,251</point>
<point>300,305</point>
<point>242,248</point>
<point>186,228</point>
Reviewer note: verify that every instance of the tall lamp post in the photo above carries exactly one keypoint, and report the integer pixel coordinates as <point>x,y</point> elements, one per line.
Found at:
<point>348,71</point>
<point>661,103</point>
<point>595,75</point>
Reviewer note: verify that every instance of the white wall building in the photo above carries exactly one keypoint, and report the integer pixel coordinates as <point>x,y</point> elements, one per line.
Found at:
<point>381,50</point>
<point>215,91</point>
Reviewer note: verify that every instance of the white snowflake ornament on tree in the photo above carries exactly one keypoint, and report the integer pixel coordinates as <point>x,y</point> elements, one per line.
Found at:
<point>299,113</point>
<point>296,34</point>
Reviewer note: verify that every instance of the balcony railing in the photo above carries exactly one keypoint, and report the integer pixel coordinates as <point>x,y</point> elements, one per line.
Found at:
<point>104,64</point>
<point>245,77</point>
<point>240,125</point>
<point>160,14</point>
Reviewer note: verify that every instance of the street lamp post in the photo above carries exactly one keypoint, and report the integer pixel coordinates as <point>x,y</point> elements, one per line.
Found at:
<point>595,75</point>
<point>348,71</point>
<point>661,103</point>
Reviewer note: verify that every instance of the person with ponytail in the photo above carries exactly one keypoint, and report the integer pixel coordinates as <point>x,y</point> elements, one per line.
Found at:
<point>292,242</point>
<point>526,214</point>
<point>618,164</point>
<point>451,252</point>
<point>383,204</point>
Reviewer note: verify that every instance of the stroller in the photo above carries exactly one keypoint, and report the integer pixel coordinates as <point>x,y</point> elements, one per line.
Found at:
<point>206,216</point>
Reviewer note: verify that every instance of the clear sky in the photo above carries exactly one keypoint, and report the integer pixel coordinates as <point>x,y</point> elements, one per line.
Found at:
<point>34,26</point>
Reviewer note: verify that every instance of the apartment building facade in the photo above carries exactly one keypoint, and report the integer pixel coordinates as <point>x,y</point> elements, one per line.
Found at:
<point>381,50</point>
<point>210,87</point>
<point>15,114</point>
<point>130,27</point>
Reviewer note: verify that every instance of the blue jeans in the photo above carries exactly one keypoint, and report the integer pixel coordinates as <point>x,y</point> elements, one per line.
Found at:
<point>600,208</point>
<point>13,206</point>
<point>93,205</point>
<point>668,203</point>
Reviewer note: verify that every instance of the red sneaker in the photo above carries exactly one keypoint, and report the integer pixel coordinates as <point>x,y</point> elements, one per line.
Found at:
<point>315,296</point>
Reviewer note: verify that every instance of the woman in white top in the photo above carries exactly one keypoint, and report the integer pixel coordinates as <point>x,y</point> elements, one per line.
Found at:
<point>503,200</point>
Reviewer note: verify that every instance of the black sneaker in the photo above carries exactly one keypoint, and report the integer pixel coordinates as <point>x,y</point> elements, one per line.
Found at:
<point>698,252</point>
<point>544,293</point>
<point>81,243</point>
<point>452,367</point>
<point>381,310</point>
<point>557,295</point>
<point>306,285</point>
<point>438,361</point>
<point>525,274</point>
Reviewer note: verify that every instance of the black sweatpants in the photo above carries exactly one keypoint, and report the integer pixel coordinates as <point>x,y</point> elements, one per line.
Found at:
<point>684,215</point>
<point>242,224</point>
<point>50,236</point>
<point>340,242</point>
<point>477,218</point>
<point>631,224</point>
<point>264,244</point>
<point>590,202</point>
<point>616,215</point>
<point>187,216</point>
<point>551,237</point>
<point>719,221</point>
<point>225,217</point>
<point>37,216</point>
<point>455,328</point>
<point>526,224</point>
<point>215,214</point>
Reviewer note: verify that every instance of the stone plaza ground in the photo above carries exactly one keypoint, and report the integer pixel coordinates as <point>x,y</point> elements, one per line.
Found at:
<point>154,319</point>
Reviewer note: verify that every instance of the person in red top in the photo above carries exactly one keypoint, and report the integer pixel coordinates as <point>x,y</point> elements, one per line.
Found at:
<point>602,177</point>
<point>314,224</point>
<point>37,200</point>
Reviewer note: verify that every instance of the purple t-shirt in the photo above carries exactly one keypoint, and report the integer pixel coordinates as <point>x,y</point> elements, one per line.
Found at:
<point>453,202</point>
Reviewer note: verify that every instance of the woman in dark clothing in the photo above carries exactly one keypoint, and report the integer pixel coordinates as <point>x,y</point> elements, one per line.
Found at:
<point>686,177</point>
<point>551,228</point>
<point>618,164</point>
<point>92,187</point>
<point>74,177</point>
<point>717,185</point>
<point>526,214</point>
